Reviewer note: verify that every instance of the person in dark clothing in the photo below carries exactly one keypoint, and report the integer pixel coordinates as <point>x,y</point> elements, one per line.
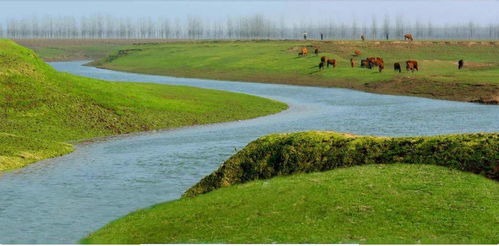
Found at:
<point>322,36</point>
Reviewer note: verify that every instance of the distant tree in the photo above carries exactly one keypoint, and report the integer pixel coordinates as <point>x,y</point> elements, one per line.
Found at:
<point>374,28</point>
<point>386,27</point>
<point>471,28</point>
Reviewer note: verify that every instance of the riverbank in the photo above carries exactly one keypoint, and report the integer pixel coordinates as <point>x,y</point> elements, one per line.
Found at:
<point>278,62</point>
<point>280,189</point>
<point>43,109</point>
<point>395,203</point>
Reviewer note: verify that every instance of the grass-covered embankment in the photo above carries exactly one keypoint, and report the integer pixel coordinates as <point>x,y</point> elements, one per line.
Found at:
<point>277,62</point>
<point>78,49</point>
<point>281,188</point>
<point>395,203</point>
<point>42,108</point>
<point>285,154</point>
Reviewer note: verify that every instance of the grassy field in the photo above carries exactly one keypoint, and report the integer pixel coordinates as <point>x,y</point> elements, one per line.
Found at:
<point>394,203</point>
<point>78,49</point>
<point>42,108</point>
<point>278,62</point>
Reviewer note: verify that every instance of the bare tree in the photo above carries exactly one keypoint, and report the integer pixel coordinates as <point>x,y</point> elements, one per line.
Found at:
<point>386,27</point>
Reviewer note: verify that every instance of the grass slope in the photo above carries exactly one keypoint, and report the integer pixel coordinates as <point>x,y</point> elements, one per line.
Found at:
<point>77,49</point>
<point>40,107</point>
<point>277,62</point>
<point>394,203</point>
<point>303,152</point>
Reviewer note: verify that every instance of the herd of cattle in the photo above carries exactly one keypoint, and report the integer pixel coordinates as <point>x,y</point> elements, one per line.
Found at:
<point>370,62</point>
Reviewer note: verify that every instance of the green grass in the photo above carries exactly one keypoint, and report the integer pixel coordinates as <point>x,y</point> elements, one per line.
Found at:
<point>43,107</point>
<point>18,151</point>
<point>76,49</point>
<point>394,203</point>
<point>277,62</point>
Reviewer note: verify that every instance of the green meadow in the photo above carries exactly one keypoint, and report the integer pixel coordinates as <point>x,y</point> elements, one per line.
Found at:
<point>395,203</point>
<point>278,62</point>
<point>43,110</point>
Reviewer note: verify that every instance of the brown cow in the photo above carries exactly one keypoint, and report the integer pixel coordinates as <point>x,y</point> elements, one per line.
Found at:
<point>371,59</point>
<point>316,51</point>
<point>411,65</point>
<point>460,64</point>
<point>408,36</point>
<point>304,52</point>
<point>381,66</point>
<point>396,67</point>
<point>352,62</point>
<point>357,52</point>
<point>371,62</point>
<point>331,62</point>
<point>365,64</point>
<point>323,59</point>
<point>378,61</point>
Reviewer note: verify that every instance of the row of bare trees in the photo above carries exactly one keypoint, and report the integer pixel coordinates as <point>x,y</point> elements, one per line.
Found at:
<point>249,27</point>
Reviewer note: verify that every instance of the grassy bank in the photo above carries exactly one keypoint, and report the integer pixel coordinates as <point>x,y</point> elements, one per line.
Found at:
<point>394,203</point>
<point>78,49</point>
<point>282,188</point>
<point>285,154</point>
<point>41,108</point>
<point>278,62</point>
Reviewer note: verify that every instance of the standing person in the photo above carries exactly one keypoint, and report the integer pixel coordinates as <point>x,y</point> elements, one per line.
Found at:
<point>322,36</point>
<point>304,35</point>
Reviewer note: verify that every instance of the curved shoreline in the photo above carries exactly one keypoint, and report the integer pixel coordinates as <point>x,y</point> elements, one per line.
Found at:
<point>49,202</point>
<point>367,87</point>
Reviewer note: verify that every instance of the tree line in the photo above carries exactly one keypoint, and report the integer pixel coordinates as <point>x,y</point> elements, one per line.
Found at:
<point>247,27</point>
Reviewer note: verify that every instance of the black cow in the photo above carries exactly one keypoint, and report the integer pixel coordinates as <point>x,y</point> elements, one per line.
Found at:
<point>396,67</point>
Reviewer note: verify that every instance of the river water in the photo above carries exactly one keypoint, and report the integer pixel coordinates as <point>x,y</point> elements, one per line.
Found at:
<point>63,199</point>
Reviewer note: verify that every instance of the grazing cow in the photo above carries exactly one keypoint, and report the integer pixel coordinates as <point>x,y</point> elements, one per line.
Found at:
<point>365,64</point>
<point>381,66</point>
<point>304,51</point>
<point>408,36</point>
<point>396,67</point>
<point>411,65</point>
<point>331,62</point>
<point>352,62</point>
<point>321,65</point>
<point>460,64</point>
<point>316,51</point>
<point>371,62</point>
<point>323,59</point>
<point>357,52</point>
<point>362,37</point>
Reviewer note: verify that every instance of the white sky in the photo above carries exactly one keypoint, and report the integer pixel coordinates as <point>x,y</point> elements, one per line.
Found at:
<point>438,11</point>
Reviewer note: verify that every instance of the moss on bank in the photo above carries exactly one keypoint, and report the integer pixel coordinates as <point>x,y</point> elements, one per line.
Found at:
<point>285,154</point>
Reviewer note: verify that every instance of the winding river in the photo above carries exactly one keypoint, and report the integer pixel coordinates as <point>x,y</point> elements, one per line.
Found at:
<point>62,199</point>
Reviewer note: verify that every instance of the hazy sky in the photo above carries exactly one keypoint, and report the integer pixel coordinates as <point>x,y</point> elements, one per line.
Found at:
<point>438,11</point>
